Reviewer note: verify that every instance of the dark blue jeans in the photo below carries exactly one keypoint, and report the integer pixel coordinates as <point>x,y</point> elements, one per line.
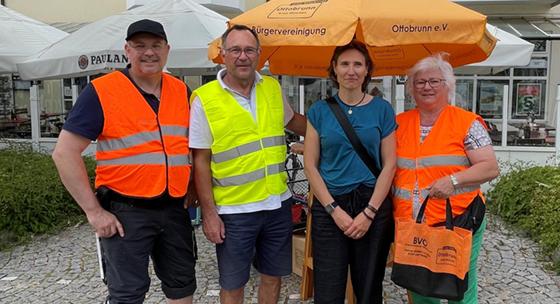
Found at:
<point>333,251</point>
<point>263,238</point>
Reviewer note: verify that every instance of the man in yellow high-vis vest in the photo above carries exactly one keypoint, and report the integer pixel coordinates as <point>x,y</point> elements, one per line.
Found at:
<point>237,137</point>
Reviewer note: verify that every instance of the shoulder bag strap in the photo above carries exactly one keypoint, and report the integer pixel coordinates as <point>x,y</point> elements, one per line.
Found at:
<point>353,137</point>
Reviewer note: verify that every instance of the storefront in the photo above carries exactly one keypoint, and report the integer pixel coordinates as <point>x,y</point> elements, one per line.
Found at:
<point>519,104</point>
<point>36,110</point>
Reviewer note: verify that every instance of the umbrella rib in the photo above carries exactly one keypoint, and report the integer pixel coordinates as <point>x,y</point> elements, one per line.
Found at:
<point>427,50</point>
<point>271,53</point>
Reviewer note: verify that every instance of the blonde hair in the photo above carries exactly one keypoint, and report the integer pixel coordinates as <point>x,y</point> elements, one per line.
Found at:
<point>435,61</point>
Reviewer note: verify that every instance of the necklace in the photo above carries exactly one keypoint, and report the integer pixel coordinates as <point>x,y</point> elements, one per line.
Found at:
<point>354,105</point>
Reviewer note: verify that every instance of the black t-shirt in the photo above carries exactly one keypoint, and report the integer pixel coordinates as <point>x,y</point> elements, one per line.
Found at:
<point>86,117</point>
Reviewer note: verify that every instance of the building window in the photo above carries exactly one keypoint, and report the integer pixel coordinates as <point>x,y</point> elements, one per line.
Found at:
<point>51,107</point>
<point>490,98</point>
<point>15,119</point>
<point>529,118</point>
<point>537,67</point>
<point>528,99</point>
<point>540,45</point>
<point>464,93</point>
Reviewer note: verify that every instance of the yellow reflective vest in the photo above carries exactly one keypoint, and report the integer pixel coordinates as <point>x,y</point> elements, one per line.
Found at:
<point>247,156</point>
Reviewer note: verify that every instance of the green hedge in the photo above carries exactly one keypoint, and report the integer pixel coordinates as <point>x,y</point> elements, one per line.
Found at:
<point>32,197</point>
<point>529,198</point>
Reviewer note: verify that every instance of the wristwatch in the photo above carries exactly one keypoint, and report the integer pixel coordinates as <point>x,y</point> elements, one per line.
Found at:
<point>330,207</point>
<point>454,181</point>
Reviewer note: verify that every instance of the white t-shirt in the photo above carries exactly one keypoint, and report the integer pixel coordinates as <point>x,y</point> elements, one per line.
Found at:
<point>200,137</point>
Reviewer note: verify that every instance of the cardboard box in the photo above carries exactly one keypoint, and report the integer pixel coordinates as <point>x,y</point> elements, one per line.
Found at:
<point>298,247</point>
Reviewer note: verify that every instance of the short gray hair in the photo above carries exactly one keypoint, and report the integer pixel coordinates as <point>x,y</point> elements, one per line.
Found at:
<point>435,61</point>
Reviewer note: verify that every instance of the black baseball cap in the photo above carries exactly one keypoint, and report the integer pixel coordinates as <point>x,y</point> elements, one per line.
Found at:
<point>146,26</point>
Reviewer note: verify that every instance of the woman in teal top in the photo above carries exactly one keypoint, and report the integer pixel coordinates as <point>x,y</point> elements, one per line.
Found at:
<point>352,216</point>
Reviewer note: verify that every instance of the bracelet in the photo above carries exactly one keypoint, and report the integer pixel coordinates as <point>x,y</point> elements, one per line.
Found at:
<point>372,209</point>
<point>367,215</point>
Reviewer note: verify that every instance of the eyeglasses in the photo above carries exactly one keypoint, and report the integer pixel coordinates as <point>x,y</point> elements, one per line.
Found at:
<point>433,82</point>
<point>237,51</point>
<point>142,48</point>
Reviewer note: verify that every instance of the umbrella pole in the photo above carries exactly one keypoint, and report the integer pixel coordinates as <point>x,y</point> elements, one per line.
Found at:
<point>556,137</point>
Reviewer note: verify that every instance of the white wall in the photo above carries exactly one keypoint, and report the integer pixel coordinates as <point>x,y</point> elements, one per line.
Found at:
<point>507,7</point>
<point>228,8</point>
<point>542,156</point>
<point>79,11</point>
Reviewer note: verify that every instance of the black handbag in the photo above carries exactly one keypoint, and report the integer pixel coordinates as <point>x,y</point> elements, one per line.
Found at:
<point>353,137</point>
<point>472,217</point>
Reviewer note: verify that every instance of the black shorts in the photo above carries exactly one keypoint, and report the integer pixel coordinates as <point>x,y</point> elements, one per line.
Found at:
<point>163,233</point>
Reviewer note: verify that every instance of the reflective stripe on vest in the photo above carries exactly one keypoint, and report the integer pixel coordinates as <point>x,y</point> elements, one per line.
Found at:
<point>140,138</point>
<point>432,161</point>
<point>408,195</point>
<point>248,148</point>
<point>250,177</point>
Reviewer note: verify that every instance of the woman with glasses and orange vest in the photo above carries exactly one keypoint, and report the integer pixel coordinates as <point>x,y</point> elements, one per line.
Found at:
<point>445,152</point>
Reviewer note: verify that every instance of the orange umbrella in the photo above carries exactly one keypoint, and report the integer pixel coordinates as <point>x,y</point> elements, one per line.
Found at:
<point>299,36</point>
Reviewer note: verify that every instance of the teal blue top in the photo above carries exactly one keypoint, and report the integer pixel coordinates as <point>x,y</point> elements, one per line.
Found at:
<point>339,165</point>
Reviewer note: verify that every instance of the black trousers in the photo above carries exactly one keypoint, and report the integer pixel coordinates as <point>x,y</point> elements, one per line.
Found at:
<point>163,233</point>
<point>333,251</point>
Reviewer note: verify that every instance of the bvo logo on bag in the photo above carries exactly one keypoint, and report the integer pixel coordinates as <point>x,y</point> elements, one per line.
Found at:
<point>420,241</point>
<point>432,261</point>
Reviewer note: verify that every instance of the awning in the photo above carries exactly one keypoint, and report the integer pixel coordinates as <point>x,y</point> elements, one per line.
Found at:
<point>529,28</point>
<point>510,51</point>
<point>21,36</point>
<point>98,47</point>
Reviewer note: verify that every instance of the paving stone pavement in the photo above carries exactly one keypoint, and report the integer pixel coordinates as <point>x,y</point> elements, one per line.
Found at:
<point>63,269</point>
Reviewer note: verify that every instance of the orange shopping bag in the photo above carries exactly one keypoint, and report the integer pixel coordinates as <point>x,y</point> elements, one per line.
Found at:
<point>432,261</point>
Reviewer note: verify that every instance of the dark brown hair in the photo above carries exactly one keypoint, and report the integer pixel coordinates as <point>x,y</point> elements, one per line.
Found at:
<point>353,45</point>
<point>240,27</point>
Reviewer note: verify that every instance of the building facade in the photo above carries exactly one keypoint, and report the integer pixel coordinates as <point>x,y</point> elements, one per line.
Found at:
<point>52,99</point>
<point>520,104</point>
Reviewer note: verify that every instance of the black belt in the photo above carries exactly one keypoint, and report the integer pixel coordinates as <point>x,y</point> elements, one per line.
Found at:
<point>164,200</point>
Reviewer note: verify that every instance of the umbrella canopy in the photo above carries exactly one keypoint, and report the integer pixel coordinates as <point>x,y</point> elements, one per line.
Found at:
<point>298,37</point>
<point>510,51</point>
<point>98,46</point>
<point>21,36</point>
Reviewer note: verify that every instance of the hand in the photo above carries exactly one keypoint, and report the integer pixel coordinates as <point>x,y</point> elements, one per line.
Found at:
<point>191,200</point>
<point>442,188</point>
<point>296,148</point>
<point>105,223</point>
<point>359,227</point>
<point>213,227</point>
<point>341,218</point>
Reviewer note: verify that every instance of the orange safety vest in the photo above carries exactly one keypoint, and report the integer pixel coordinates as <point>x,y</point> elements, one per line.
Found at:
<point>441,154</point>
<point>140,153</point>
